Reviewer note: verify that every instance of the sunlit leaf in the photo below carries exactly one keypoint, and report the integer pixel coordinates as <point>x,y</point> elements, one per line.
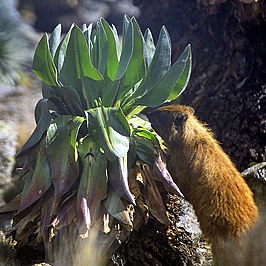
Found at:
<point>77,63</point>
<point>54,39</point>
<point>112,60</point>
<point>126,53</point>
<point>172,82</point>
<point>43,65</point>
<point>159,66</point>
<point>182,82</point>
<point>110,129</point>
<point>149,47</point>
<point>136,67</point>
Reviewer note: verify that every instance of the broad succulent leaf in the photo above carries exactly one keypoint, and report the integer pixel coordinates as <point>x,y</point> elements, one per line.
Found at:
<point>183,80</point>
<point>93,181</point>
<point>126,53</point>
<point>149,50</point>
<point>43,65</point>
<point>44,119</point>
<point>61,152</point>
<point>171,83</point>
<point>55,39</point>
<point>112,60</point>
<point>136,68</point>
<point>109,127</point>
<point>159,66</point>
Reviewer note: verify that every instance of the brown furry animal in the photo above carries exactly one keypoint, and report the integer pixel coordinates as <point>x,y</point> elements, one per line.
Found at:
<point>205,175</point>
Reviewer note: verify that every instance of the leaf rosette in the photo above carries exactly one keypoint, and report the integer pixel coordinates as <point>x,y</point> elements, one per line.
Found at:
<point>93,157</point>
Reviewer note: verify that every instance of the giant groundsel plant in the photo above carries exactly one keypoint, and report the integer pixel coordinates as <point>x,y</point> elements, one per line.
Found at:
<point>93,161</point>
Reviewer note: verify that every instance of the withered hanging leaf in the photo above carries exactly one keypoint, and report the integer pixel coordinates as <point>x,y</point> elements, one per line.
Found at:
<point>38,180</point>
<point>66,213</point>
<point>161,174</point>
<point>152,195</point>
<point>50,206</point>
<point>12,205</point>
<point>118,208</point>
<point>23,220</point>
<point>118,178</point>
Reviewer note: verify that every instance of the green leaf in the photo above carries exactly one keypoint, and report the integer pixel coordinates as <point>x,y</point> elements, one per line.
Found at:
<point>93,182</point>
<point>43,65</point>
<point>159,66</point>
<point>149,47</point>
<point>87,34</point>
<point>54,40</point>
<point>109,127</point>
<point>77,65</point>
<point>102,49</point>
<point>126,53</point>
<point>170,83</point>
<point>71,99</point>
<point>62,152</point>
<point>126,22</point>
<point>146,134</point>
<point>77,62</point>
<point>117,41</point>
<point>183,80</point>
<point>136,67</point>
<point>43,121</point>
<point>40,180</point>
<point>60,54</point>
<point>112,60</point>
<point>144,149</point>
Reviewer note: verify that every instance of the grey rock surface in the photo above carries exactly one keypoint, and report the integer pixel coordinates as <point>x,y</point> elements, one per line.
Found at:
<point>8,143</point>
<point>255,177</point>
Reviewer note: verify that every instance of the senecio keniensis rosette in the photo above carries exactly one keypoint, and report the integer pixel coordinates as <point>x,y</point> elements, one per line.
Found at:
<point>93,162</point>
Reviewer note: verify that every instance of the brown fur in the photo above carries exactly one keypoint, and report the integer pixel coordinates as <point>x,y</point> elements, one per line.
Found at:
<point>205,175</point>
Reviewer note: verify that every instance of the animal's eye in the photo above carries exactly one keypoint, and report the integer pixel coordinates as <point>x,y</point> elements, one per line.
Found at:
<point>180,118</point>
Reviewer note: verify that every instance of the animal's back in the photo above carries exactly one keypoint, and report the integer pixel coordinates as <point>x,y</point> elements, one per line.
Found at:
<point>206,176</point>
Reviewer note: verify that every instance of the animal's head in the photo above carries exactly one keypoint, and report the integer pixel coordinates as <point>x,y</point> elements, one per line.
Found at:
<point>170,121</point>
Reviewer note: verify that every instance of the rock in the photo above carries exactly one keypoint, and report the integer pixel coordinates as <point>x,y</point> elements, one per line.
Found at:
<point>184,233</point>
<point>8,142</point>
<point>187,220</point>
<point>255,177</point>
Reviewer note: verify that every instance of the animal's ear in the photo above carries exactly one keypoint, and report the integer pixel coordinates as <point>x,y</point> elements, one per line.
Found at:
<point>192,111</point>
<point>180,118</point>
